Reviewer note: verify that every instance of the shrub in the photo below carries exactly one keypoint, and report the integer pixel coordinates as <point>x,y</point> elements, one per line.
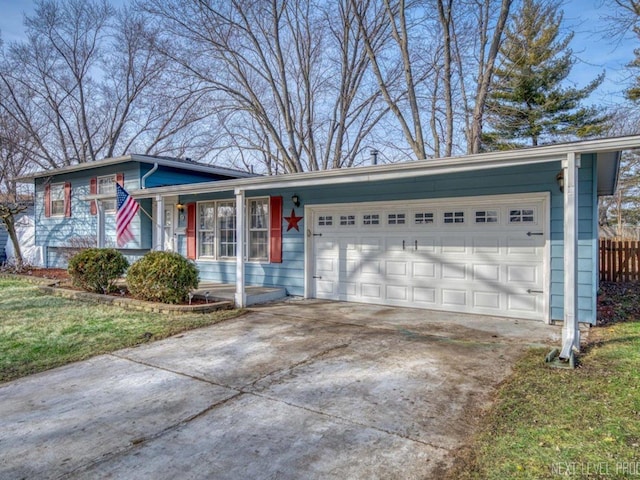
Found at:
<point>97,269</point>
<point>165,277</point>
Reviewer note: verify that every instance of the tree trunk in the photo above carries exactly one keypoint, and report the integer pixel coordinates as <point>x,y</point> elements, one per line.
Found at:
<point>10,223</point>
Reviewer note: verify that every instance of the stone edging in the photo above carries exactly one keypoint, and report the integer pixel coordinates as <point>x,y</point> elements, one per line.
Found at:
<point>47,285</point>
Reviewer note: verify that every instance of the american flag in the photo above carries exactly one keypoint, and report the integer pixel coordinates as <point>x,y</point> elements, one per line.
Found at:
<point>127,208</point>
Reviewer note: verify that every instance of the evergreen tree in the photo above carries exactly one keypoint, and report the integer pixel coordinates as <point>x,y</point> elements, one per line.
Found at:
<point>633,93</point>
<point>529,102</point>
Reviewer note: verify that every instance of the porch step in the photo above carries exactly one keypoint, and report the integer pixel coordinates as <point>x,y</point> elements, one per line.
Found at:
<point>227,291</point>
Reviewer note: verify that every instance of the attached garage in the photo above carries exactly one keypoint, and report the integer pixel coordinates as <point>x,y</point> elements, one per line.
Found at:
<point>483,254</point>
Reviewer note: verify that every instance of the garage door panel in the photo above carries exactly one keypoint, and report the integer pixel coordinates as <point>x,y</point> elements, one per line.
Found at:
<point>486,300</point>
<point>397,292</point>
<point>396,268</point>
<point>489,273</point>
<point>523,302</point>
<point>424,244</point>
<point>523,274</point>
<point>424,269</point>
<point>371,267</point>
<point>454,298</point>
<point>454,245</point>
<point>491,268</point>
<point>371,290</point>
<point>349,289</point>
<point>424,295</point>
<point>486,245</point>
<point>457,271</point>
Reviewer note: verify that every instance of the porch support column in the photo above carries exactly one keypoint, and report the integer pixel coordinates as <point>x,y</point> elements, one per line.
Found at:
<point>100,235</point>
<point>159,222</point>
<point>241,297</point>
<point>570,329</point>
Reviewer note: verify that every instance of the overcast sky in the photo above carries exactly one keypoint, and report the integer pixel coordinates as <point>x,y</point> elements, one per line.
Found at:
<point>594,50</point>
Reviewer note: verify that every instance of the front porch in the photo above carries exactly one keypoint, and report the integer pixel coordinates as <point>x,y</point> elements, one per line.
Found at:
<point>226,291</point>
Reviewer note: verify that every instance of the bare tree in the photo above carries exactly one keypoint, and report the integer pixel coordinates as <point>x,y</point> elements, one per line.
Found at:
<point>88,83</point>
<point>486,29</point>
<point>277,68</point>
<point>13,162</point>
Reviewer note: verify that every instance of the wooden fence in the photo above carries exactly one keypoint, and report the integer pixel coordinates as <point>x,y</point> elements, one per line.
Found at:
<point>619,260</point>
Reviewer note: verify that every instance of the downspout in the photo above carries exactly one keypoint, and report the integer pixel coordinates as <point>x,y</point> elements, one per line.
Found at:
<point>570,329</point>
<point>143,180</point>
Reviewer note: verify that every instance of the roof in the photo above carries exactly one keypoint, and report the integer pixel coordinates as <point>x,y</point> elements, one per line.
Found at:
<point>608,152</point>
<point>186,164</point>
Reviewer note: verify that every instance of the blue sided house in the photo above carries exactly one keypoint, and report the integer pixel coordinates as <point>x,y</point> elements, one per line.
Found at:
<point>512,233</point>
<point>66,221</point>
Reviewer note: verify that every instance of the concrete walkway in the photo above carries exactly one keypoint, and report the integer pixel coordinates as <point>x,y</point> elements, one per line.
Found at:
<point>303,389</point>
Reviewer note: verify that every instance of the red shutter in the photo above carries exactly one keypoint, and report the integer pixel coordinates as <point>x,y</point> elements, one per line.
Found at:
<point>191,231</point>
<point>93,189</point>
<point>47,200</point>
<point>120,179</point>
<point>275,230</point>
<point>67,199</point>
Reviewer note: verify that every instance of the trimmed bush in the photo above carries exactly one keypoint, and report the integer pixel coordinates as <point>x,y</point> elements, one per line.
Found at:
<point>97,269</point>
<point>165,277</point>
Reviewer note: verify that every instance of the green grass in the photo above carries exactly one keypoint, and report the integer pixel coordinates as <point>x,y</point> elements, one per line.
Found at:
<point>550,423</point>
<point>39,331</point>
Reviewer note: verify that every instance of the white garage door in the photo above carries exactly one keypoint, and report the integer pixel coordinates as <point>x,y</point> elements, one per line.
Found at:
<point>482,255</point>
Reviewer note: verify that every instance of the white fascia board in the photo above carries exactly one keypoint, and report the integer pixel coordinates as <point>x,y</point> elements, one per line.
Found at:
<point>483,161</point>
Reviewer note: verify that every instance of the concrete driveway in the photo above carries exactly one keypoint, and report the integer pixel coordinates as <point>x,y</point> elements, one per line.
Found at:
<point>304,389</point>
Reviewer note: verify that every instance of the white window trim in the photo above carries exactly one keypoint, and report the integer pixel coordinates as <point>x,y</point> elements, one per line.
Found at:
<point>51,200</point>
<point>248,231</point>
<point>114,178</point>
<point>219,256</point>
<point>199,256</point>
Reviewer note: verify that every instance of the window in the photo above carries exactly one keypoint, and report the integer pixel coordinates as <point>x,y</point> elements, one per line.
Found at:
<point>423,217</point>
<point>226,229</point>
<point>107,186</point>
<point>396,219</point>
<point>524,215</point>
<point>371,219</point>
<point>453,217</point>
<point>346,220</point>
<point>207,229</point>
<point>56,192</point>
<point>325,220</point>
<point>259,229</point>
<point>486,216</point>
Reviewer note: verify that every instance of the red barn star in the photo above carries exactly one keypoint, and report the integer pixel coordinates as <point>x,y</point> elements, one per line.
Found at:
<point>293,221</point>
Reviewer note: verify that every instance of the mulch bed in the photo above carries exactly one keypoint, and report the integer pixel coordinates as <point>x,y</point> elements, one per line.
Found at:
<point>618,302</point>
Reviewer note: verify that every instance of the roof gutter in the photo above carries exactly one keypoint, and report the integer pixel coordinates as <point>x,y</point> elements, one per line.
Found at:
<point>143,180</point>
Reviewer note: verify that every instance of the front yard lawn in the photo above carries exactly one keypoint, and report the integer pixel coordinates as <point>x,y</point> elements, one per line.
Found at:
<point>39,331</point>
<point>550,423</point>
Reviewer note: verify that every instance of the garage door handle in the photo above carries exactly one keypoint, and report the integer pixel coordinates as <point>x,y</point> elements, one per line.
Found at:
<point>317,235</point>
<point>530,234</point>
<point>403,244</point>
<point>317,276</point>
<point>535,291</point>
<point>416,244</point>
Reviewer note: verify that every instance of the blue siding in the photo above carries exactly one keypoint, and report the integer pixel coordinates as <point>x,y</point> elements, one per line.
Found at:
<point>56,233</point>
<point>512,180</point>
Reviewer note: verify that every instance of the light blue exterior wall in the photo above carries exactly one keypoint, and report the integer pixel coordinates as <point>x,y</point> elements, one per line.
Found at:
<point>59,233</point>
<point>523,179</point>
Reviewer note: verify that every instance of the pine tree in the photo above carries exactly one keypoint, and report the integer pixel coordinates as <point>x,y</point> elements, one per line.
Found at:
<point>529,103</point>
<point>633,93</point>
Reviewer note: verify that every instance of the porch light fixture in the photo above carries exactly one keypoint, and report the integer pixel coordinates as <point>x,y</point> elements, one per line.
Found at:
<point>560,180</point>
<point>180,207</point>
<point>296,200</point>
